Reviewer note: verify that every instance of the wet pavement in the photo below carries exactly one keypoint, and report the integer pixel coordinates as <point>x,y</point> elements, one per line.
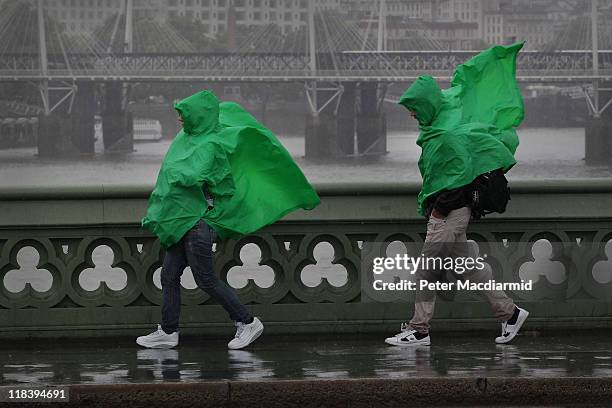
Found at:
<point>312,357</point>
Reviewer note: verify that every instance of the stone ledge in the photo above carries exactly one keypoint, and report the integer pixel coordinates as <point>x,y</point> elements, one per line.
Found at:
<point>140,191</point>
<point>413,392</point>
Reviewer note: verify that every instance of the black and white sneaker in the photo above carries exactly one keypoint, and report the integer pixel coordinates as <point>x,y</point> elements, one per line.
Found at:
<point>408,337</point>
<point>510,329</point>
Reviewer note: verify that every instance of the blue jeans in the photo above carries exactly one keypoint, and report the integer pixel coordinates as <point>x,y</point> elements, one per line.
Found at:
<point>195,250</point>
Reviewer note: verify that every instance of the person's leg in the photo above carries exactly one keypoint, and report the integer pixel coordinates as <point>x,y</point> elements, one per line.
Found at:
<point>175,263</point>
<point>166,335</point>
<point>198,250</point>
<point>502,305</point>
<point>511,316</point>
<point>441,241</point>
<point>425,299</point>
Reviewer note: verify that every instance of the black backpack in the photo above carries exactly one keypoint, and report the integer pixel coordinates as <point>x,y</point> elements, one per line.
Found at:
<point>490,193</point>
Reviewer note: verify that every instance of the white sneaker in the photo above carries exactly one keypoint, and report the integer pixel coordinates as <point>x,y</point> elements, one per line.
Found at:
<point>407,338</point>
<point>509,331</point>
<point>246,334</point>
<point>158,339</point>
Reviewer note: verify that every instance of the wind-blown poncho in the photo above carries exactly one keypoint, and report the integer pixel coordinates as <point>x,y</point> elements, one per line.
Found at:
<point>467,129</point>
<point>252,177</point>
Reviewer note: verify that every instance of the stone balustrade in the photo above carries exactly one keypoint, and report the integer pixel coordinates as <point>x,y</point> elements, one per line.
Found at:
<point>75,262</point>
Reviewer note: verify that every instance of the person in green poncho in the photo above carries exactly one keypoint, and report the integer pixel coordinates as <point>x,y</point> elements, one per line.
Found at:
<point>224,175</point>
<point>467,132</point>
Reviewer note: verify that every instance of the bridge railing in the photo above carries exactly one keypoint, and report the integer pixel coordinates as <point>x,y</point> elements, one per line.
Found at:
<point>392,65</point>
<point>74,261</point>
<point>538,76</point>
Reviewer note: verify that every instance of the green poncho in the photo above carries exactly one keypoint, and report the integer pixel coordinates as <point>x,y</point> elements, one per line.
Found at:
<point>467,129</point>
<point>253,179</point>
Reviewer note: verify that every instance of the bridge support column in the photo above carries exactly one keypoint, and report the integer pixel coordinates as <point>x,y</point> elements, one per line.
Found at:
<point>331,132</point>
<point>55,136</point>
<point>117,123</point>
<point>342,129</point>
<point>320,135</point>
<point>83,118</point>
<point>48,136</point>
<point>598,134</point>
<point>7,131</point>
<point>598,141</point>
<point>345,119</point>
<point>322,125</point>
<point>371,121</point>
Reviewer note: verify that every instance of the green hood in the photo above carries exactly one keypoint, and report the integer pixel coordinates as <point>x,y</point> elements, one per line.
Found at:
<point>469,128</point>
<point>252,177</point>
<point>200,113</point>
<point>424,97</point>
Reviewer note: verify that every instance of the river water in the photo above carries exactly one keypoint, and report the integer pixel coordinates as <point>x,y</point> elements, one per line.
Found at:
<point>544,153</point>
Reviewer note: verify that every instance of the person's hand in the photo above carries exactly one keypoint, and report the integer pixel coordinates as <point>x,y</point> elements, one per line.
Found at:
<point>437,214</point>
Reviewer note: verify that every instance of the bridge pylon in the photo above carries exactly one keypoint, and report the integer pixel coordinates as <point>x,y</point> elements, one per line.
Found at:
<point>117,121</point>
<point>598,132</point>
<point>371,120</point>
<point>66,125</point>
<point>346,120</point>
<point>321,129</point>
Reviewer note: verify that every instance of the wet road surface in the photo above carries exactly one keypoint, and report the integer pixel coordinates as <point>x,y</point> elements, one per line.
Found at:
<point>451,355</point>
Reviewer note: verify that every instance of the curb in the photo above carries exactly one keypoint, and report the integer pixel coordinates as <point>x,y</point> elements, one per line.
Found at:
<point>413,392</point>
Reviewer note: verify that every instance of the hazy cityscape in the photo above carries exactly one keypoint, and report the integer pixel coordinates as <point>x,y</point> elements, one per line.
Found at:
<point>407,25</point>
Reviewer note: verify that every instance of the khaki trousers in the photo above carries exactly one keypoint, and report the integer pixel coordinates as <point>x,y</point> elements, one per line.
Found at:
<point>447,237</point>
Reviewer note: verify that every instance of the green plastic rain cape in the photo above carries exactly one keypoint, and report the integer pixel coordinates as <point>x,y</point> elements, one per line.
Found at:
<point>252,177</point>
<point>467,129</point>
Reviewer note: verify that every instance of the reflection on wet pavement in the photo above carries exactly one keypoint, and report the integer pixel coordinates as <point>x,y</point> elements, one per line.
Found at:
<point>312,357</point>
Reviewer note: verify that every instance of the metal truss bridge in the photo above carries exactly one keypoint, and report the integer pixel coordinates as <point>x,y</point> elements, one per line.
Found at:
<point>359,66</point>
<point>328,52</point>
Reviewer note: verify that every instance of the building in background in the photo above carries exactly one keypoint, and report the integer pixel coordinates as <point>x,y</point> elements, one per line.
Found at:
<point>409,24</point>
<point>536,22</point>
<point>83,16</point>
<point>434,24</point>
<point>452,35</point>
<point>288,15</point>
<point>151,9</point>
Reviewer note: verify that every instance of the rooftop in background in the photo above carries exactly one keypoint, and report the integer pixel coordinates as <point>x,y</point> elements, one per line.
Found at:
<point>207,25</point>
